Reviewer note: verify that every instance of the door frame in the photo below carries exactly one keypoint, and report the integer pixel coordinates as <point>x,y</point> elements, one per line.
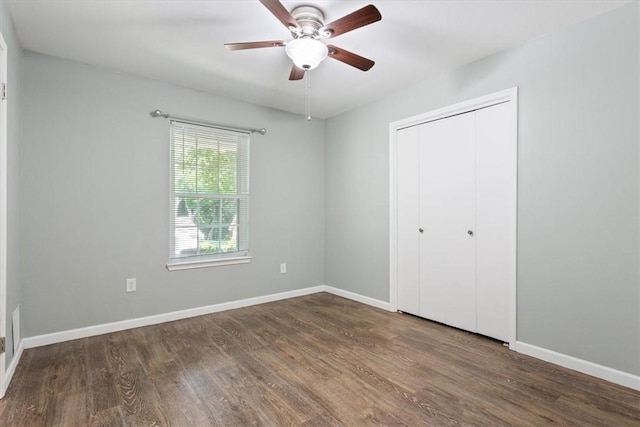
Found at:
<point>508,95</point>
<point>3,215</point>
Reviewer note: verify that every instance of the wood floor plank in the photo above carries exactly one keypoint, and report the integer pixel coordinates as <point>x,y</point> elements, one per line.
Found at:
<point>111,417</point>
<point>102,394</point>
<point>222,407</point>
<point>318,360</point>
<point>139,400</point>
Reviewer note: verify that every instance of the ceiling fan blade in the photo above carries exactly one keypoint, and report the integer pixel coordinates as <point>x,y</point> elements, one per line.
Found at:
<point>255,45</point>
<point>296,73</point>
<point>280,12</point>
<point>361,17</point>
<point>350,58</point>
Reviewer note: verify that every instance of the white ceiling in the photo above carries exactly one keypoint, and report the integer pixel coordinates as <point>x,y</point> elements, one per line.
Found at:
<point>182,41</point>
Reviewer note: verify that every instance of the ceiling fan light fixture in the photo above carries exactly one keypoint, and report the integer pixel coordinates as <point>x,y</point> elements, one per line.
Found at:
<point>306,53</point>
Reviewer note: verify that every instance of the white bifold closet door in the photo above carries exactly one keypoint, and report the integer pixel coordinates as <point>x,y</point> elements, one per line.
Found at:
<point>454,224</point>
<point>447,213</point>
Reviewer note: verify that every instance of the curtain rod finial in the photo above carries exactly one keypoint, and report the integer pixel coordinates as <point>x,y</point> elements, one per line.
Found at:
<point>158,113</point>
<point>262,131</point>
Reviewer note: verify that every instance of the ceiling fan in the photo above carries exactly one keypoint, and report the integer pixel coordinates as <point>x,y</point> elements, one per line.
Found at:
<point>307,27</point>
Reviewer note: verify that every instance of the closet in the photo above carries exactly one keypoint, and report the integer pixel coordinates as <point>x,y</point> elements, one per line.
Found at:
<point>455,199</point>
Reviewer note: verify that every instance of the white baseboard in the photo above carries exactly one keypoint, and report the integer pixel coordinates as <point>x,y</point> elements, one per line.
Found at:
<point>106,328</point>
<point>590,368</point>
<point>584,366</point>
<point>357,297</point>
<point>11,369</point>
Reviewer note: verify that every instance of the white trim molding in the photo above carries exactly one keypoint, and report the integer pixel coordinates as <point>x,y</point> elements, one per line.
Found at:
<point>603,372</point>
<point>507,95</point>
<point>359,298</point>
<point>584,366</point>
<point>203,263</point>
<point>3,212</point>
<point>123,325</point>
<point>11,369</point>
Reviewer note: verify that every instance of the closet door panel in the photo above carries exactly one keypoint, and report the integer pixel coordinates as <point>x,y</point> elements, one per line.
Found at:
<point>495,227</point>
<point>408,215</point>
<point>447,205</point>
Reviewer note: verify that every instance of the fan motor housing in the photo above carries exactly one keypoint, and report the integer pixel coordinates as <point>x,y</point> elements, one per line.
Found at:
<point>310,19</point>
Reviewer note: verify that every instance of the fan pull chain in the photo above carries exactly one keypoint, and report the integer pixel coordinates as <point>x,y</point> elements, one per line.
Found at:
<point>307,96</point>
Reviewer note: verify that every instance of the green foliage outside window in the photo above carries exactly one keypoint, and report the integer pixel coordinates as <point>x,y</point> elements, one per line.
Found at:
<point>205,186</point>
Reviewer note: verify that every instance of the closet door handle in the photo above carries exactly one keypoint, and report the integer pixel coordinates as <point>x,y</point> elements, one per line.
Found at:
<point>421,230</point>
<point>470,233</point>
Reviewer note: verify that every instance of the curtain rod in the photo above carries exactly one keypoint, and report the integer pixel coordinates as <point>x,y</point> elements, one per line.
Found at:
<point>158,113</point>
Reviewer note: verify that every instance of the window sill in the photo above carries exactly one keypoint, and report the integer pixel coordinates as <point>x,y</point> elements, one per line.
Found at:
<point>203,263</point>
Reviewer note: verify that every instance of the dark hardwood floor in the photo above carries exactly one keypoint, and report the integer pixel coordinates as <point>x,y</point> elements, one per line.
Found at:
<point>314,361</point>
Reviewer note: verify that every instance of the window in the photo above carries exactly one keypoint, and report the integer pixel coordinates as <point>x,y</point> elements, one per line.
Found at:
<point>209,196</point>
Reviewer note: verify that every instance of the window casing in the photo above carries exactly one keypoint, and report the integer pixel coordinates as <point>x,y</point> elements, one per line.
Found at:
<point>209,196</point>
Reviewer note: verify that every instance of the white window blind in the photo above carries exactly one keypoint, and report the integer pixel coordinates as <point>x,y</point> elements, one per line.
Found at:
<point>209,193</point>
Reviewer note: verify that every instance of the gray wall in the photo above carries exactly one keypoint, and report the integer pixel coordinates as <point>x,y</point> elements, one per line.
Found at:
<point>14,107</point>
<point>95,203</point>
<point>578,230</point>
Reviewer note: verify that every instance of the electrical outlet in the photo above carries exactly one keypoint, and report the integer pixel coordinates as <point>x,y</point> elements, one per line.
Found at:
<point>131,285</point>
<point>283,268</point>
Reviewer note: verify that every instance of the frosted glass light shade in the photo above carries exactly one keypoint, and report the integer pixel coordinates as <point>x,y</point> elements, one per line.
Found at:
<point>306,53</point>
